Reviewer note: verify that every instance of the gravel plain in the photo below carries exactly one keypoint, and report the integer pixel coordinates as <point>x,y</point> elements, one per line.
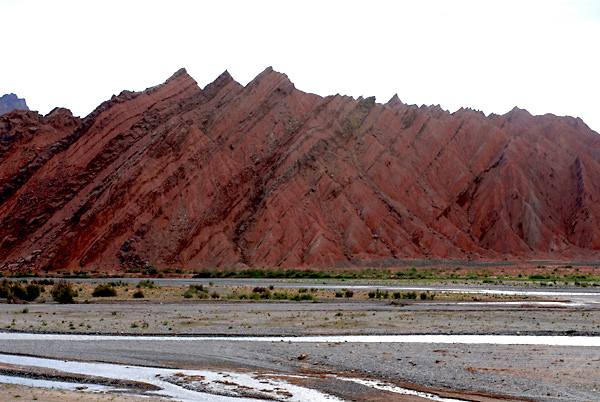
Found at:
<point>470,371</point>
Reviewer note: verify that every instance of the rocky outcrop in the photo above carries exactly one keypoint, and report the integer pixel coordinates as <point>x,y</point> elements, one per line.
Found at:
<point>10,102</point>
<point>269,175</point>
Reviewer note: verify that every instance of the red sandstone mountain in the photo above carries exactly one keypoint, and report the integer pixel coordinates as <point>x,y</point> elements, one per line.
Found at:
<point>269,175</point>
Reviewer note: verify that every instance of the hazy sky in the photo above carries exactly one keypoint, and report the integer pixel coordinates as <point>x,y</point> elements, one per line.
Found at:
<point>543,56</point>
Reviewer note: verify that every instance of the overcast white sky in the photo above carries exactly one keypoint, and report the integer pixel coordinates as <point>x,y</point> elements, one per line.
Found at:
<point>540,55</point>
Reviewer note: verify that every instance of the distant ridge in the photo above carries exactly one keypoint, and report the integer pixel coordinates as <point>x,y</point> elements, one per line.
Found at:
<point>10,102</point>
<point>268,175</point>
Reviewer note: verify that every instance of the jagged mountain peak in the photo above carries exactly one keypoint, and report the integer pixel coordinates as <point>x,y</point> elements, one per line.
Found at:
<point>271,78</point>
<point>394,101</point>
<point>10,102</point>
<point>182,72</point>
<point>519,116</point>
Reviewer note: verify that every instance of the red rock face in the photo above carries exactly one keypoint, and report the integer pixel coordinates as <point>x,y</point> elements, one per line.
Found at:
<point>269,175</point>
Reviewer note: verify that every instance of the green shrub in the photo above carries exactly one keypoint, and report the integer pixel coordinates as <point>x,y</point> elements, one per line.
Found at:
<point>302,296</point>
<point>407,295</point>
<point>146,284</point>
<point>18,292</point>
<point>280,296</point>
<point>378,294</point>
<point>5,288</point>
<point>149,270</point>
<point>138,295</point>
<point>15,291</point>
<point>32,292</point>
<point>195,290</point>
<point>63,292</point>
<point>540,277</point>
<point>349,293</point>
<point>104,290</point>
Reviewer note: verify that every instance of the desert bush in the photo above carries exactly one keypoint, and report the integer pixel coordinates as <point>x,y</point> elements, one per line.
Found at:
<point>302,296</point>
<point>199,288</point>
<point>149,270</point>
<point>280,296</point>
<point>104,290</point>
<point>138,295</point>
<point>63,292</point>
<point>406,295</point>
<point>44,282</point>
<point>349,293</point>
<point>4,289</point>
<point>32,292</point>
<point>378,294</point>
<point>261,292</point>
<point>195,290</point>
<point>15,292</point>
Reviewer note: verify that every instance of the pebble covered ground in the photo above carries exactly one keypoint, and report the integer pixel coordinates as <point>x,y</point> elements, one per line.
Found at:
<point>540,373</point>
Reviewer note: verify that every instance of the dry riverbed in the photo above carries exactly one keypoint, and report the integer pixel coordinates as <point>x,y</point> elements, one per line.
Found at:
<point>542,373</point>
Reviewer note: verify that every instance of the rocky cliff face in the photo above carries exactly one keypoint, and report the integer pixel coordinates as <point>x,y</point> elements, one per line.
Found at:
<point>10,102</point>
<point>268,175</point>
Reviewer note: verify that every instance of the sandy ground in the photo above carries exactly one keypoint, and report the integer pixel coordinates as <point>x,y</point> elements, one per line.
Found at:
<point>540,373</point>
<point>10,392</point>
<point>296,318</point>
